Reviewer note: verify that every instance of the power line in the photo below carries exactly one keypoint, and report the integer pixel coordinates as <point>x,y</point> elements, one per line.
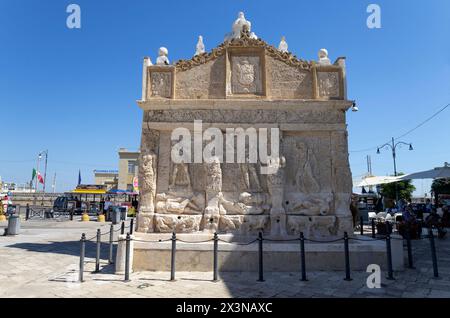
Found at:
<point>424,122</point>
<point>409,131</point>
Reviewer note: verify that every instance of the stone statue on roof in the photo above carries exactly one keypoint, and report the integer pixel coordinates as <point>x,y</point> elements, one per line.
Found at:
<point>323,57</point>
<point>238,26</point>
<point>283,46</point>
<point>162,56</point>
<point>200,48</point>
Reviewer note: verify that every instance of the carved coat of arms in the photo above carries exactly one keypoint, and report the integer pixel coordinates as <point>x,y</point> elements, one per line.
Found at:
<point>246,73</point>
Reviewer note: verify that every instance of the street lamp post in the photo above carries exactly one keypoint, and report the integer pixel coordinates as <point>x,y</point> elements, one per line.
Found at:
<point>393,147</point>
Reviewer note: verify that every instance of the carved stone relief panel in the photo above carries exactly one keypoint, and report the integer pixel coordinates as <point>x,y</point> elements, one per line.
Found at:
<point>286,81</point>
<point>246,75</point>
<point>161,84</point>
<point>204,81</point>
<point>328,83</point>
<point>300,116</point>
<point>309,158</point>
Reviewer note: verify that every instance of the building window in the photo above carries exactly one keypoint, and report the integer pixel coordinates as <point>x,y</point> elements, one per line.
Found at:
<point>132,167</point>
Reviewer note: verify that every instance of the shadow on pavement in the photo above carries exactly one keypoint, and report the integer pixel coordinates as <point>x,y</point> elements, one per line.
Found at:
<point>67,248</point>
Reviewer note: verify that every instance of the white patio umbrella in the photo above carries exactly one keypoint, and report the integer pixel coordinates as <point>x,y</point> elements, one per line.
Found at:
<point>375,180</point>
<point>436,173</point>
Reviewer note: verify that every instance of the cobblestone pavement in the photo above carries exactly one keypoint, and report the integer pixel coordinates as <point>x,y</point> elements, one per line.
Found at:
<point>43,262</point>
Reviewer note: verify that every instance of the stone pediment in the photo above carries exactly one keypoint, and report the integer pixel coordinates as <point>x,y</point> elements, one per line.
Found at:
<point>245,67</point>
<point>245,41</point>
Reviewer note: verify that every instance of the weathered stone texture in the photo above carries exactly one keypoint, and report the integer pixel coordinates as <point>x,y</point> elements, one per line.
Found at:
<point>286,82</point>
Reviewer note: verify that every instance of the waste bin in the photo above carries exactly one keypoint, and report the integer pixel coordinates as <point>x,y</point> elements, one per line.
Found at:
<point>115,215</point>
<point>13,225</point>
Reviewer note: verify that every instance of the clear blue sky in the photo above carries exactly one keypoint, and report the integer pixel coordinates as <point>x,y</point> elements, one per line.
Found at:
<point>73,92</point>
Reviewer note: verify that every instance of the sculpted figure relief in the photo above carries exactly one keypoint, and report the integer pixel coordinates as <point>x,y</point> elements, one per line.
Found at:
<point>249,203</point>
<point>180,205</point>
<point>309,204</point>
<point>213,194</point>
<point>180,176</point>
<point>275,184</point>
<point>148,182</point>
<point>305,179</point>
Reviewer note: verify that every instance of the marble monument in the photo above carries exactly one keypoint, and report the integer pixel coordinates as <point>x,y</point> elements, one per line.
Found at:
<point>247,83</point>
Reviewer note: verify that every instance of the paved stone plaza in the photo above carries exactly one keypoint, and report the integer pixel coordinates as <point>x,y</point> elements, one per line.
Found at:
<point>43,262</point>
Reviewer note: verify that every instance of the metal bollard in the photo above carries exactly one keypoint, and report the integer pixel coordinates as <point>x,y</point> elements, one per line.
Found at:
<point>172,260</point>
<point>97,255</point>
<point>216,255</point>
<point>82,252</point>
<point>302,257</point>
<point>373,228</point>
<point>260,254</point>
<point>408,245</point>
<point>389,258</point>
<point>433,252</point>
<point>347,258</point>
<point>131,226</point>
<point>361,223</point>
<point>122,228</point>
<point>111,246</point>
<point>27,213</point>
<point>127,258</point>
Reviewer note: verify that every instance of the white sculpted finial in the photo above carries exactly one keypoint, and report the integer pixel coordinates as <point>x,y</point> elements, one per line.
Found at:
<point>147,62</point>
<point>162,58</point>
<point>323,57</point>
<point>283,46</point>
<point>237,27</point>
<point>200,48</point>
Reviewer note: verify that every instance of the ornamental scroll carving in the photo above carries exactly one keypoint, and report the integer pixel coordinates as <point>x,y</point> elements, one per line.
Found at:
<point>244,41</point>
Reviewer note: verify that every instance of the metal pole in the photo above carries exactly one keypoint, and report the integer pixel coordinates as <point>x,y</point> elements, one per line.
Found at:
<point>97,255</point>
<point>361,222</point>
<point>389,257</point>
<point>302,257</point>
<point>172,260</point>
<point>373,228</point>
<point>395,168</point>
<point>83,249</point>
<point>111,246</point>
<point>127,258</point>
<point>260,254</point>
<point>45,170</point>
<point>347,258</point>
<point>122,228</point>
<point>408,244</point>
<point>216,255</point>
<point>433,252</point>
<point>37,170</point>
<point>131,226</point>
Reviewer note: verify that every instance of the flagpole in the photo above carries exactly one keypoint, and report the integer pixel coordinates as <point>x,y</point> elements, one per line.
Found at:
<point>45,170</point>
<point>37,170</point>
<point>54,183</point>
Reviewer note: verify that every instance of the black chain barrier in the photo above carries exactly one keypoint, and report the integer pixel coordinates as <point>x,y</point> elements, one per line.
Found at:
<point>260,239</point>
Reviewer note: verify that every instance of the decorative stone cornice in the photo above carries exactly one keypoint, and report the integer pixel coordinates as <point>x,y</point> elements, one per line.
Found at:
<point>244,41</point>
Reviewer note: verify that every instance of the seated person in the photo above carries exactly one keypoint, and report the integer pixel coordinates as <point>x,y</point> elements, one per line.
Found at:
<point>435,220</point>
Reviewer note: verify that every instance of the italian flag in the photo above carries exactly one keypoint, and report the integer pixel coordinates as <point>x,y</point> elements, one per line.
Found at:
<point>38,175</point>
